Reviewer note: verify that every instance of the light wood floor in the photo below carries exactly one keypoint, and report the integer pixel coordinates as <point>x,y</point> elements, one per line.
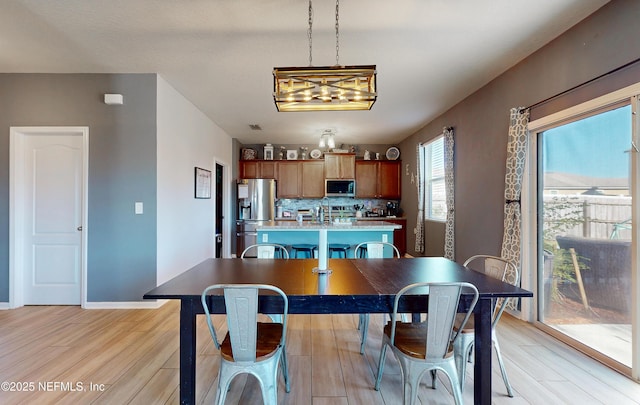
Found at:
<point>131,357</point>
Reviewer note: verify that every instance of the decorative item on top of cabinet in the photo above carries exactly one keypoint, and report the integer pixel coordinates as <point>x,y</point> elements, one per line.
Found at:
<point>339,165</point>
<point>268,152</point>
<point>249,154</point>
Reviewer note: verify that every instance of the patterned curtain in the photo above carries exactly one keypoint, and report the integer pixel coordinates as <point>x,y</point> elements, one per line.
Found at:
<point>449,235</point>
<point>516,157</point>
<point>419,229</point>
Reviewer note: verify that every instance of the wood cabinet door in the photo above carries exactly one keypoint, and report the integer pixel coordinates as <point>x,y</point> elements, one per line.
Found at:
<point>249,169</point>
<point>339,165</point>
<point>389,185</point>
<point>288,180</point>
<point>366,179</point>
<point>331,166</point>
<point>312,183</point>
<point>268,169</point>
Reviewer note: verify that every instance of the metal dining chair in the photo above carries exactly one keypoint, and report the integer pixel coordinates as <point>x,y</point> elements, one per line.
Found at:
<point>266,251</point>
<point>500,269</point>
<point>428,345</point>
<point>375,250</point>
<point>249,346</point>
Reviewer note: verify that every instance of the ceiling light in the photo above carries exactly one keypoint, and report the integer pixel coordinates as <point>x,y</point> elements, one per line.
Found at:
<point>324,88</point>
<point>327,139</point>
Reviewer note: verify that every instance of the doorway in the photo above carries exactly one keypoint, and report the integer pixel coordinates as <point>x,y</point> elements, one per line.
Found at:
<point>219,215</point>
<point>48,187</point>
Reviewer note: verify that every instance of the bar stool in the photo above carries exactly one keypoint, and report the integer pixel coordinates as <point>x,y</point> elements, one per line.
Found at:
<point>305,248</point>
<point>339,248</point>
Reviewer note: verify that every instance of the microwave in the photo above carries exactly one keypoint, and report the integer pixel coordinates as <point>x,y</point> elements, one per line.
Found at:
<point>340,188</point>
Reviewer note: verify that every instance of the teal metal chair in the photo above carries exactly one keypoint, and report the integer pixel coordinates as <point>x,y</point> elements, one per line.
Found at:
<point>252,347</point>
<point>500,269</point>
<point>428,345</point>
<point>376,252</point>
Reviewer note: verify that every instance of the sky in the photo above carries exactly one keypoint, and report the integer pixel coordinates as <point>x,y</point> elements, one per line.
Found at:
<point>596,146</point>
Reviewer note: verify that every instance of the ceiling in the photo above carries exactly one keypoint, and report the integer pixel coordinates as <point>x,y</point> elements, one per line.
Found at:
<point>219,54</point>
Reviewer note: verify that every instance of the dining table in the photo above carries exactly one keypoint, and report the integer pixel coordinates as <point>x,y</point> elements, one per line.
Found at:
<point>348,286</point>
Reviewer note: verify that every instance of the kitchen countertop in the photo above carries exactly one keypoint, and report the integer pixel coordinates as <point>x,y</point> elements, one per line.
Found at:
<point>368,225</point>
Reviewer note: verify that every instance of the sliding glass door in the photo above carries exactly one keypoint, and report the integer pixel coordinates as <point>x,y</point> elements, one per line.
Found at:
<point>585,223</point>
<point>581,234</point>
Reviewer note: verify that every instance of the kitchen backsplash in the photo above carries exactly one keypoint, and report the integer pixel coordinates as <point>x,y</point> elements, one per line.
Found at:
<point>340,206</point>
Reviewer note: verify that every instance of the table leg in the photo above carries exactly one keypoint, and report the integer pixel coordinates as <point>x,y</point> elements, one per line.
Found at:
<point>188,350</point>
<point>482,349</point>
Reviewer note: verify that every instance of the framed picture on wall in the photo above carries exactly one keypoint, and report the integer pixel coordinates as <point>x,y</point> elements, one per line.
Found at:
<point>203,183</point>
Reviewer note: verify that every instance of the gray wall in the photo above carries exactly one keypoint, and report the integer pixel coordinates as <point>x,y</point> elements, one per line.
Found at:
<point>122,170</point>
<point>602,42</point>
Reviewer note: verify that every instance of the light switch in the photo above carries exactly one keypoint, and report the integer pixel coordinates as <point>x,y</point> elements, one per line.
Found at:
<point>139,208</point>
<point>385,238</point>
<point>265,237</point>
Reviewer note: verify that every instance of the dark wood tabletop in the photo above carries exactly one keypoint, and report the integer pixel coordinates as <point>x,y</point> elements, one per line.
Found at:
<point>354,286</point>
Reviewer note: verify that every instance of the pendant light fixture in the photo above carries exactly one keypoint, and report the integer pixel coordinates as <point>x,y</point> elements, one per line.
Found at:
<point>324,88</point>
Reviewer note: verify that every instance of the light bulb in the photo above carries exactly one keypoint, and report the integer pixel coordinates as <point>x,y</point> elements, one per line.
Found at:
<point>322,144</point>
<point>332,142</point>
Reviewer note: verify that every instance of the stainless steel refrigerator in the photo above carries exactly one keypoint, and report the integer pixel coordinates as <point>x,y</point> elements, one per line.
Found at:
<point>256,205</point>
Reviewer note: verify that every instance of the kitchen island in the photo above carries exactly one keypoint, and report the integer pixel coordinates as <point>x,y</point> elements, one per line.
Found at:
<point>288,233</point>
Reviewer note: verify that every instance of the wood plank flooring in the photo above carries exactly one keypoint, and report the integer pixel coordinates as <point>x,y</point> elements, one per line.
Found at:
<point>66,355</point>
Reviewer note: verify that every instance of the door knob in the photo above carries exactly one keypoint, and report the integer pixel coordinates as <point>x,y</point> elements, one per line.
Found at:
<point>79,228</point>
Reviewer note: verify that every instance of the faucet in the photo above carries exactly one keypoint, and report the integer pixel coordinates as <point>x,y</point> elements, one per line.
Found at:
<point>328,206</point>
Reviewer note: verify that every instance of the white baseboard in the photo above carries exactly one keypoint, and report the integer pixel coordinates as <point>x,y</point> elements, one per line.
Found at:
<point>150,304</point>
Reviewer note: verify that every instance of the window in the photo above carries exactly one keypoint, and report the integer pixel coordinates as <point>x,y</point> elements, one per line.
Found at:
<point>434,186</point>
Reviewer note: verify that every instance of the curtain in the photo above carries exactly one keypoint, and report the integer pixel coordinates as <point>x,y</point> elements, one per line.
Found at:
<point>516,157</point>
<point>419,229</point>
<point>449,233</point>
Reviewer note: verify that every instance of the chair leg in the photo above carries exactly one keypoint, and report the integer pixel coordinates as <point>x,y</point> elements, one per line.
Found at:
<point>496,345</point>
<point>364,329</point>
<point>449,369</point>
<point>383,353</point>
<point>461,351</point>
<point>285,370</point>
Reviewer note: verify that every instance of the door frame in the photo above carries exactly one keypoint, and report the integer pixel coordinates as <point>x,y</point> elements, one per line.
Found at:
<point>226,209</point>
<point>17,212</point>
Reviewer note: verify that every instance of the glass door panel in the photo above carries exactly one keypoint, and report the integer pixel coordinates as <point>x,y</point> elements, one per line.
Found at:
<point>585,222</point>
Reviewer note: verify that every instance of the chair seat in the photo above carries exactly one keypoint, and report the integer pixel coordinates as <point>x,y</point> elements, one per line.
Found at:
<point>410,339</point>
<point>469,327</point>
<point>269,335</point>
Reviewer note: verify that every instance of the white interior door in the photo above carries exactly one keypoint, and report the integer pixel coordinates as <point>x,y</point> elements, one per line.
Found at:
<point>52,223</point>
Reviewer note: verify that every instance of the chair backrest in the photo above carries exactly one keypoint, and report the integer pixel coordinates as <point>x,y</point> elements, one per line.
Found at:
<point>442,301</point>
<point>375,249</point>
<point>241,301</point>
<point>498,268</point>
<point>266,251</point>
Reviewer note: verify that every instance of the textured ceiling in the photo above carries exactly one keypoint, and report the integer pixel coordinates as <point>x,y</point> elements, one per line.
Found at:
<point>430,54</point>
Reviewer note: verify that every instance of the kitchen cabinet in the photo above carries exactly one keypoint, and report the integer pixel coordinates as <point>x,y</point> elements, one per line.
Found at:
<point>312,179</point>
<point>378,179</point>
<point>399,235</point>
<point>339,165</point>
<point>300,179</point>
<point>288,179</point>
<point>257,169</point>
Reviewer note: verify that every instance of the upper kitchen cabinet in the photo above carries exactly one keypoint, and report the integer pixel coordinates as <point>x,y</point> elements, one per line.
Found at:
<point>258,169</point>
<point>300,179</point>
<point>312,179</point>
<point>378,179</point>
<point>339,165</point>
<point>288,180</point>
